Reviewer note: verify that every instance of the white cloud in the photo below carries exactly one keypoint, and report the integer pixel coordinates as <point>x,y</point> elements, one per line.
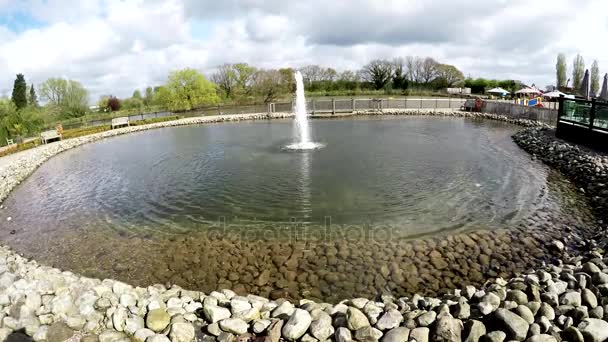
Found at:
<point>115,46</point>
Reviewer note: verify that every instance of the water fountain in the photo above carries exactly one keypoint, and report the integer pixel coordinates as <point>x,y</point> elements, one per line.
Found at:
<point>302,127</point>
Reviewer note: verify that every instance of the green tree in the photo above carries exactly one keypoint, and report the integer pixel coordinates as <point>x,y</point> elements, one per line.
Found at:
<point>578,71</point>
<point>33,98</point>
<point>561,70</point>
<point>269,84</point>
<point>595,78</point>
<point>149,97</point>
<point>19,96</point>
<point>378,72</point>
<point>187,89</point>
<point>136,94</point>
<point>449,76</point>
<point>15,123</point>
<point>69,97</point>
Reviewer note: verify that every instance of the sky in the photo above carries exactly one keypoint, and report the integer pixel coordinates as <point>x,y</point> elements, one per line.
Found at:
<point>117,46</point>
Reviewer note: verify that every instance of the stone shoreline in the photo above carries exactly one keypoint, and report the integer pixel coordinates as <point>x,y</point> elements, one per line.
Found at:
<point>567,301</point>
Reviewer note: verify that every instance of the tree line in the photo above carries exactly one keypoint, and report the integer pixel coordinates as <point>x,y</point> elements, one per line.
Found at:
<point>574,83</point>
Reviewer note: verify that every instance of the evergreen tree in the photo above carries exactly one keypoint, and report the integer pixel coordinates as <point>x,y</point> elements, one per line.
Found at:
<point>33,99</point>
<point>595,78</point>
<point>19,96</point>
<point>561,70</point>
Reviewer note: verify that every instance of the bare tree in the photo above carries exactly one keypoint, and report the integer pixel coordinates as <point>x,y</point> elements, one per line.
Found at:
<point>311,73</point>
<point>348,76</point>
<point>378,72</point>
<point>225,78</point>
<point>268,84</point>
<point>414,68</point>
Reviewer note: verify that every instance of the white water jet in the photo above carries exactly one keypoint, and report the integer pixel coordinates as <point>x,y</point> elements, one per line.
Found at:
<point>303,129</point>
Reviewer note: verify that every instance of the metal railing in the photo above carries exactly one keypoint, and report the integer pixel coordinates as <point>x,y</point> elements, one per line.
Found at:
<point>584,122</point>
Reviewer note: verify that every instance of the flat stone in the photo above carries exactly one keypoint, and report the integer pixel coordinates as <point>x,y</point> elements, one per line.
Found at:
<point>214,313</point>
<point>234,325</point>
<point>525,313</point>
<point>589,298</point>
<point>398,334</point>
<point>391,319</point>
<point>426,318</point>
<point>59,332</point>
<point>158,338</point>
<point>260,325</point>
<point>182,332</point>
<point>594,330</point>
<point>143,334</point>
<point>571,298</point>
<point>368,334</point>
<point>515,326</point>
<point>297,325</point>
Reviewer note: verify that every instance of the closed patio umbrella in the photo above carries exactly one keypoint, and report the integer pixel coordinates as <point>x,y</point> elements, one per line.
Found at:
<point>604,93</point>
<point>585,89</point>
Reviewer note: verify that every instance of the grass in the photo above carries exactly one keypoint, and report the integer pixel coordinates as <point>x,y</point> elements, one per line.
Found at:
<point>80,132</point>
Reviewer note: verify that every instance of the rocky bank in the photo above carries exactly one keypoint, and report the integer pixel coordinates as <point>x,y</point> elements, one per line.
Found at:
<point>565,301</point>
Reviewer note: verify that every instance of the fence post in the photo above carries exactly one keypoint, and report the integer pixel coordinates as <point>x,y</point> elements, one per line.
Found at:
<point>404,103</point>
<point>313,107</point>
<point>436,101</point>
<point>353,104</point>
<point>592,114</point>
<point>450,102</point>
<point>333,106</point>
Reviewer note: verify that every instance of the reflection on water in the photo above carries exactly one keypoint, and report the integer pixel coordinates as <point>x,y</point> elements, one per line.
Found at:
<point>389,205</point>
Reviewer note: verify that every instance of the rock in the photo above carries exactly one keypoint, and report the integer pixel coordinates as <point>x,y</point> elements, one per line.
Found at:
<point>368,334</point>
<point>476,329</point>
<point>594,330</point>
<point>515,326</point>
<point>420,334</point>
<point>41,333</point>
<point>547,311</point>
<point>228,337</point>
<point>214,313</point>
<point>343,335</point>
<point>274,332</point>
<point>489,303</point>
<point>517,296</point>
<point>182,332</point>
<point>59,332</point>
<point>297,325</point>
<point>571,298</point>
<point>391,319</point>
<point>234,326</point>
<point>589,298</point>
<point>283,311</point>
<point>248,315</point>
<point>321,328</point>
<point>541,338</point>
<point>158,338</point>
<point>572,334</point>
<point>133,324</point>
<point>525,313</point>
<point>119,318</point>
<point>143,334</point>
<point>260,325</point>
<point>447,329</point>
<point>590,268</point>
<point>494,336</point>
<point>399,334</point>
<point>157,320</point>
<point>112,336</point>
<point>75,322</point>
<point>426,318</point>
<point>355,319</point>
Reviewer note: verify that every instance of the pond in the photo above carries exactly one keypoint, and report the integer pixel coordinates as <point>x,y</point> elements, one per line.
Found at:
<point>225,205</point>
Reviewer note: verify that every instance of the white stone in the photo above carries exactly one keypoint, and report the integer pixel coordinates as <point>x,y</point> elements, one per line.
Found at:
<point>181,332</point>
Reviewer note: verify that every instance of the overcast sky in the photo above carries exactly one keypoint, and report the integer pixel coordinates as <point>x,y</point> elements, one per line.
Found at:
<point>115,46</point>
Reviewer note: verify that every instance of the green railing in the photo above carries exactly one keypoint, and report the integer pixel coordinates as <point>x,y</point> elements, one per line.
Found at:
<point>591,114</point>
